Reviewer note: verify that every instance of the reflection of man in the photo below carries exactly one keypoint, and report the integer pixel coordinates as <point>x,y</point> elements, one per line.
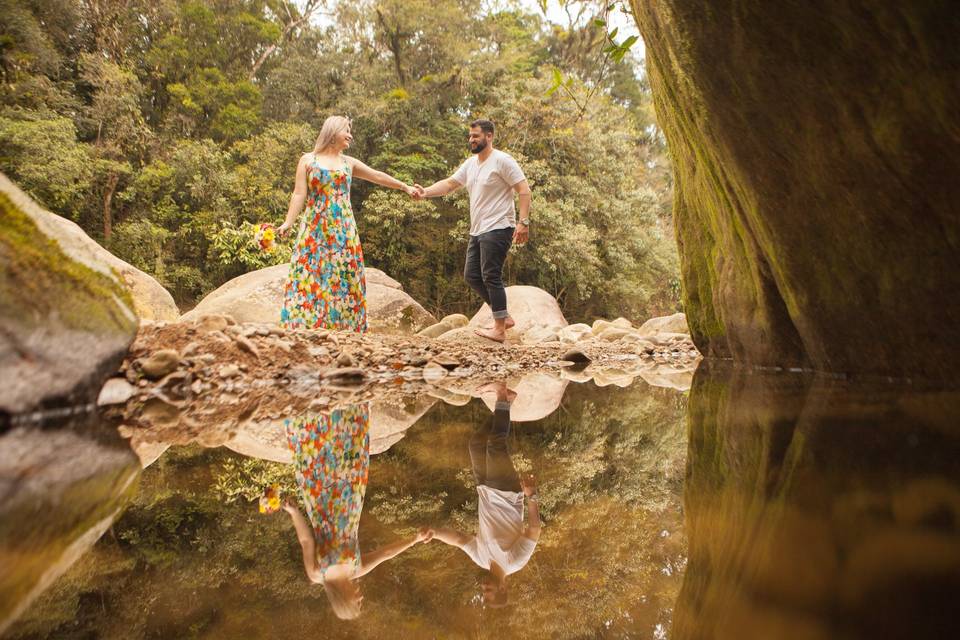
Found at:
<point>502,544</point>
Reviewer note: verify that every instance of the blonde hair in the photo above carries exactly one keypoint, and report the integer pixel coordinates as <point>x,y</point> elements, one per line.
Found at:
<point>342,596</point>
<point>328,132</point>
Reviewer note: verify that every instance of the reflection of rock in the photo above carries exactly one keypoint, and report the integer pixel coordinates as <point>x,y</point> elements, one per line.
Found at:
<point>389,421</point>
<point>258,297</point>
<point>538,394</point>
<point>66,319</point>
<point>811,502</point>
<point>59,492</point>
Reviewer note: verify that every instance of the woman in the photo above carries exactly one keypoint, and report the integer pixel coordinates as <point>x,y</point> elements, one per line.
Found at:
<point>331,452</point>
<point>326,287</point>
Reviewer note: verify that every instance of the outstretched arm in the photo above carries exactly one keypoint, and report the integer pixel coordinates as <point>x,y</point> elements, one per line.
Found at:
<point>441,188</point>
<point>369,561</point>
<point>452,537</point>
<point>364,172</point>
<point>307,544</point>
<point>297,197</point>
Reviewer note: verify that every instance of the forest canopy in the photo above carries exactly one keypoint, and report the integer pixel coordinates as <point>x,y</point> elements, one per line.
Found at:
<point>166,128</point>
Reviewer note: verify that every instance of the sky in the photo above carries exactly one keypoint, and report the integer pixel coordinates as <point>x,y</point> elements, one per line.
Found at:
<point>623,22</point>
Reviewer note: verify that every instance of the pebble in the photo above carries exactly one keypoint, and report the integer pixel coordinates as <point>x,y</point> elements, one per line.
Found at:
<point>159,363</point>
<point>344,360</point>
<point>115,391</point>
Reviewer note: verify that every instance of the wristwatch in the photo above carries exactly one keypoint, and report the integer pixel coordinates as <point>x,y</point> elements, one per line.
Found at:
<point>524,221</point>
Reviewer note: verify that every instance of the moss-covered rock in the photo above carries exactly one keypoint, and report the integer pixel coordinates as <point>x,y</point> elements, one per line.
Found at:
<point>815,152</point>
<point>66,319</point>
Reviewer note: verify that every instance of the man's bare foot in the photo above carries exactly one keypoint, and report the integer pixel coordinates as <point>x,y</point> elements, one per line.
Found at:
<point>492,334</point>
<point>502,391</point>
<point>509,323</point>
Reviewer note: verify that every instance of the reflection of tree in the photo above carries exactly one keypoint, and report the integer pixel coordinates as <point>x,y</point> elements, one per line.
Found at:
<point>600,559</point>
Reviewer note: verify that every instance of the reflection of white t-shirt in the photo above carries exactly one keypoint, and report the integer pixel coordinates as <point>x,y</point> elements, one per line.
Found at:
<point>501,536</point>
<point>490,185</point>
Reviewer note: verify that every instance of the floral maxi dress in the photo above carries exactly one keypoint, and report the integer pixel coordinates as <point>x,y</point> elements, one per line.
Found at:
<point>331,452</point>
<point>326,287</point>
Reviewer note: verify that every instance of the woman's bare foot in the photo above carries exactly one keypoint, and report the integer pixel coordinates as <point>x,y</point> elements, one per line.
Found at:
<point>492,334</point>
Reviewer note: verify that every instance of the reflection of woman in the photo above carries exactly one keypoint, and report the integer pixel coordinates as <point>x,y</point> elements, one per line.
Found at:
<point>326,286</point>
<point>332,456</point>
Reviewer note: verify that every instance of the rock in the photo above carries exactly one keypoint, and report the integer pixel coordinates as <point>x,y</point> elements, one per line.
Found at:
<point>575,333</point>
<point>826,269</point>
<point>539,334</point>
<point>66,317</point>
<point>677,323</point>
<point>319,352</point>
<point>434,372</point>
<point>575,355</point>
<point>435,330</point>
<point>159,413</point>
<point>344,359</point>
<point>258,297</point>
<point>447,362</point>
<point>115,391</point>
<point>612,333</point>
<point>246,345</point>
<point>600,325</point>
<point>623,323</point>
<point>468,336</point>
<point>345,375</point>
<point>228,371</point>
<point>159,363</point>
<point>528,306</point>
<point>456,320</point>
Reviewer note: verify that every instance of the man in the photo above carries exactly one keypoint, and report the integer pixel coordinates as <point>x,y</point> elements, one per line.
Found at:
<point>502,545</point>
<point>491,178</point>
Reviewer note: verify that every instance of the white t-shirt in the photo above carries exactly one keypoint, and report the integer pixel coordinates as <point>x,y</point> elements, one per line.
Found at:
<point>501,531</point>
<point>490,185</point>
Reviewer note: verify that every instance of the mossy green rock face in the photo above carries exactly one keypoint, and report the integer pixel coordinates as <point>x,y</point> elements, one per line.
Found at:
<point>816,154</point>
<point>66,320</point>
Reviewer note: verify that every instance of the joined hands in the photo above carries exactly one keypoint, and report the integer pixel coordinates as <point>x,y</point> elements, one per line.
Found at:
<point>415,191</point>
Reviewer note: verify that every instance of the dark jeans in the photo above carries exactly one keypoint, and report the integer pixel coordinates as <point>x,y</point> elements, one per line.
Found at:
<point>490,453</point>
<point>483,270</point>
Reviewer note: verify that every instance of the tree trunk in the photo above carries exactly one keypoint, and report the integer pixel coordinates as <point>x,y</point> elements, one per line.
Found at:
<point>112,181</point>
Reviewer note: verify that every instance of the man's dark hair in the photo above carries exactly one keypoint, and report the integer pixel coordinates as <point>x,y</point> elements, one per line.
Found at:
<point>485,125</point>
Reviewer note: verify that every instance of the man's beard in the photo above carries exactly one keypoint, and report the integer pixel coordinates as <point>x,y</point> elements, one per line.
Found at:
<point>480,147</point>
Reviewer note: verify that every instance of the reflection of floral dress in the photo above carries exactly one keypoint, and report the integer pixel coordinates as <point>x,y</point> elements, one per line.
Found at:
<point>332,455</point>
<point>326,286</point>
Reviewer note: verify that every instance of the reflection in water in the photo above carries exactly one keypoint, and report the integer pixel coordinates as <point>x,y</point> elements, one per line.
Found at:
<point>502,544</point>
<point>188,558</point>
<point>331,453</point>
<point>820,509</point>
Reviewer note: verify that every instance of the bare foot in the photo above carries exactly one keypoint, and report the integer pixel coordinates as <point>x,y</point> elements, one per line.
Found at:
<point>509,323</point>
<point>492,334</point>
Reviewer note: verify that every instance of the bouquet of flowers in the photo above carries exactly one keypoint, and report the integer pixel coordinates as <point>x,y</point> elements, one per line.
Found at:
<point>265,236</point>
<point>270,500</point>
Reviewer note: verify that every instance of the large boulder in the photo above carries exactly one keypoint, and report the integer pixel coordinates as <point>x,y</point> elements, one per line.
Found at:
<point>816,152</point>
<point>258,297</point>
<point>677,323</point>
<point>529,307</point>
<point>66,318</point>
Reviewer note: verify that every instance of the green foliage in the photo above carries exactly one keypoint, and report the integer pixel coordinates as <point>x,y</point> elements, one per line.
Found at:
<point>168,129</point>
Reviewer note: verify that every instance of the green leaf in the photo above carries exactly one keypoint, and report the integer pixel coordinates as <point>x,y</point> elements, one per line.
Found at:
<point>599,23</point>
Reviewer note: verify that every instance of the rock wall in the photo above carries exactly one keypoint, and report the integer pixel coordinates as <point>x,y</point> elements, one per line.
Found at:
<point>816,149</point>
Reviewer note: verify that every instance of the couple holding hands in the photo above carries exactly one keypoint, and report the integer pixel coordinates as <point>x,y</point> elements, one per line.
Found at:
<point>326,287</point>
